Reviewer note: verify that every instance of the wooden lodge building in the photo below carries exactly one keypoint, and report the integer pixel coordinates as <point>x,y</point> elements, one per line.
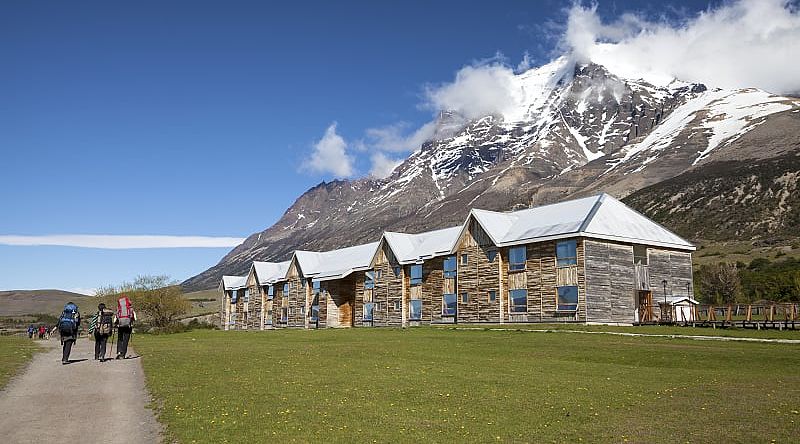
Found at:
<point>589,260</point>
<point>232,289</point>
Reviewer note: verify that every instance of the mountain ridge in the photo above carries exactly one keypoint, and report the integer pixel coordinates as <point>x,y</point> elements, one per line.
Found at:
<point>574,130</point>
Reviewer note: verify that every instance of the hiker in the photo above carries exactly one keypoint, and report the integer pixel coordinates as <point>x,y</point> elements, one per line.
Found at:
<point>31,329</point>
<point>102,325</point>
<point>41,331</point>
<point>68,325</point>
<point>125,319</point>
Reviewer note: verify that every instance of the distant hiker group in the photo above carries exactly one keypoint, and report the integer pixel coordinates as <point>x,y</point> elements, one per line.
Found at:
<point>101,325</point>
<point>42,332</point>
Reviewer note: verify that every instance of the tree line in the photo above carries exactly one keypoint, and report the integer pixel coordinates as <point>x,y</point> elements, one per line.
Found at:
<point>760,280</point>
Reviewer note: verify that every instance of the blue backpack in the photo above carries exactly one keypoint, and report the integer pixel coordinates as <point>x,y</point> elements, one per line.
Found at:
<point>68,323</point>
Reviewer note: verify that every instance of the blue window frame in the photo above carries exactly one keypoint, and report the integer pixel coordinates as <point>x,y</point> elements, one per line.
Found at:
<point>234,296</point>
<point>449,304</point>
<point>369,279</point>
<point>516,258</point>
<point>568,298</point>
<point>491,254</point>
<point>415,309</point>
<point>518,301</point>
<point>396,270</point>
<point>492,295</point>
<point>450,266</point>
<point>566,252</point>
<point>247,295</point>
<point>369,311</point>
<point>285,289</point>
<point>316,287</point>
<point>464,297</point>
<point>416,274</point>
<point>271,291</point>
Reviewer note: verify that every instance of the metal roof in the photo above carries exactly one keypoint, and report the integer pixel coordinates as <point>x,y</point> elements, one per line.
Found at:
<point>599,216</point>
<point>335,264</point>
<point>269,272</point>
<point>233,282</point>
<point>411,248</point>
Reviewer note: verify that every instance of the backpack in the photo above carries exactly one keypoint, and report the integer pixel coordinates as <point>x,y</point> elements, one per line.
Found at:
<point>105,322</point>
<point>68,323</point>
<point>124,312</point>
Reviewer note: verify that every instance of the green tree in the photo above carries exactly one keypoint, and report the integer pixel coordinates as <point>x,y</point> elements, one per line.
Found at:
<point>156,298</point>
<point>720,283</point>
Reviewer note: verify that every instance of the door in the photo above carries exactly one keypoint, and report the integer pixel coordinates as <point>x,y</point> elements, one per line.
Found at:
<point>644,306</point>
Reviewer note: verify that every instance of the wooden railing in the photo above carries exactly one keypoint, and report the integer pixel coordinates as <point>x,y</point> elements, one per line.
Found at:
<point>767,315</point>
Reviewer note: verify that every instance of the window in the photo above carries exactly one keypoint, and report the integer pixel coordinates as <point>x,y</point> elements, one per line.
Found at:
<point>518,301</point>
<point>397,305</point>
<point>315,306</point>
<point>271,291</point>
<point>450,266</point>
<point>415,309</point>
<point>378,274</point>
<point>396,270</point>
<point>464,259</point>
<point>316,288</point>
<point>566,253</point>
<point>369,280</point>
<point>492,295</point>
<point>285,289</point>
<point>416,274</point>
<point>247,295</point>
<point>449,304</point>
<point>302,310</point>
<point>284,315</point>
<point>464,297</point>
<point>516,258</point>
<point>369,311</point>
<point>640,255</point>
<point>234,296</point>
<point>568,298</point>
<point>491,254</point>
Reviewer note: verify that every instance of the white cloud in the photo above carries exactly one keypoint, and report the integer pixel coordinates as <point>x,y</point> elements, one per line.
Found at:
<point>330,155</point>
<point>118,242</point>
<point>477,90</point>
<point>397,138</point>
<point>747,43</point>
<point>382,166</point>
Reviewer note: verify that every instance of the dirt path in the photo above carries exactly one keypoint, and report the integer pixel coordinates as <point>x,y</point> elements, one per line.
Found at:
<point>84,401</point>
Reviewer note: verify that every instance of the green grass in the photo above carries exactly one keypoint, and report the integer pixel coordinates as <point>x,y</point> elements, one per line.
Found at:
<point>651,330</point>
<point>425,384</point>
<point>15,352</point>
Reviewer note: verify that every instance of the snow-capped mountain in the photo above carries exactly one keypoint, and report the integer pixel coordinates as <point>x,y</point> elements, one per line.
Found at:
<point>570,130</point>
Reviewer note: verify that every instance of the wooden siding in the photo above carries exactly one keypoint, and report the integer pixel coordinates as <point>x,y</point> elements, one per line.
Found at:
<point>339,302</point>
<point>477,277</point>
<point>610,282</point>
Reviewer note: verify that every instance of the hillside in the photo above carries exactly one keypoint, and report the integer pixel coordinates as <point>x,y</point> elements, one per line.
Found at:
<point>21,302</point>
<point>578,130</point>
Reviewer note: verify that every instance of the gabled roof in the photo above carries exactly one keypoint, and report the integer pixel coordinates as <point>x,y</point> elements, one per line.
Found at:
<point>335,264</point>
<point>233,282</point>
<point>268,273</point>
<point>412,248</point>
<point>599,216</point>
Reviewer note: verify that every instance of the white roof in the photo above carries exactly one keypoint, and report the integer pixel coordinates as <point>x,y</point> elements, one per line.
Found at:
<point>233,282</point>
<point>269,272</point>
<point>335,264</point>
<point>411,248</point>
<point>675,300</point>
<point>599,216</point>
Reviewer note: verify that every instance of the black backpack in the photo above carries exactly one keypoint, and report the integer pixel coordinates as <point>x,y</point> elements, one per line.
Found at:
<point>68,322</point>
<point>105,322</point>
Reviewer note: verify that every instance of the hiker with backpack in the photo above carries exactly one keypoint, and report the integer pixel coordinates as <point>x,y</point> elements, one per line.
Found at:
<point>68,325</point>
<point>102,325</point>
<point>125,319</point>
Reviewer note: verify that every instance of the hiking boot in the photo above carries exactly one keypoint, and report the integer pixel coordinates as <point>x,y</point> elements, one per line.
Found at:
<point>119,357</point>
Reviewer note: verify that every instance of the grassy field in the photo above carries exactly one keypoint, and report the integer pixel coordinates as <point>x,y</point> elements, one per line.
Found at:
<point>425,384</point>
<point>15,351</point>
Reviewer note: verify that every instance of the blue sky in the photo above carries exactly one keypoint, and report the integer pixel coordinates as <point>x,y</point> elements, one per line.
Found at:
<point>190,118</point>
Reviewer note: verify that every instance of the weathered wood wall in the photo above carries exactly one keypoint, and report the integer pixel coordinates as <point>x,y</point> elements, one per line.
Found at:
<point>610,282</point>
<point>476,278</point>
<point>340,299</point>
<point>296,298</point>
<point>387,293</point>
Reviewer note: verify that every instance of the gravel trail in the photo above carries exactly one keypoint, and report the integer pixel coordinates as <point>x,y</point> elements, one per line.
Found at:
<point>85,401</point>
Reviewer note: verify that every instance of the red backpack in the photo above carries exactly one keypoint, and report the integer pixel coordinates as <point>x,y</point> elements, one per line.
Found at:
<point>124,312</point>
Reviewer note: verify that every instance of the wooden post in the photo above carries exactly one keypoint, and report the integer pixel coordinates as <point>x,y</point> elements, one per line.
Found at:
<point>309,293</point>
<point>226,310</point>
<point>749,314</point>
<point>728,313</point>
<point>403,296</point>
<point>501,287</point>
